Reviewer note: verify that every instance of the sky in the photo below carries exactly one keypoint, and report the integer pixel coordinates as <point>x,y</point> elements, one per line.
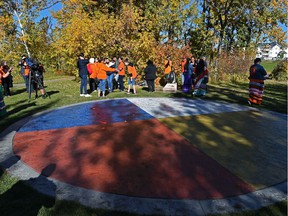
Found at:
<point>46,13</point>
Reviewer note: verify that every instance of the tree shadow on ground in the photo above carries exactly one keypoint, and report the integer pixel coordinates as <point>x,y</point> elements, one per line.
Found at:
<point>22,199</point>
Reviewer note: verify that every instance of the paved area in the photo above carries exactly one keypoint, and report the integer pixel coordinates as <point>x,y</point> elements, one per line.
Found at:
<point>153,155</point>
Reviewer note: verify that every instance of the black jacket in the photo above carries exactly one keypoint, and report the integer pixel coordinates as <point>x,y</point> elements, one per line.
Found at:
<point>150,72</point>
<point>82,66</point>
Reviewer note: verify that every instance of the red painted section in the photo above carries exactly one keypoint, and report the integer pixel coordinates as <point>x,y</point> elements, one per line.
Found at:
<point>139,158</point>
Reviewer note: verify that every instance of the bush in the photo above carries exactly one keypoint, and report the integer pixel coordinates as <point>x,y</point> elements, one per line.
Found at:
<point>280,72</point>
<point>231,67</point>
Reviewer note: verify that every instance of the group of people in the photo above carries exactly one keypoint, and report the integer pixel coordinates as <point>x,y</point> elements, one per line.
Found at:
<point>34,69</point>
<point>105,74</point>
<point>194,74</point>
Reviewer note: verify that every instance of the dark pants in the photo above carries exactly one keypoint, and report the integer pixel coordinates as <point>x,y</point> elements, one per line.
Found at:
<point>6,86</point>
<point>83,85</point>
<point>151,85</point>
<point>92,84</point>
<point>121,82</point>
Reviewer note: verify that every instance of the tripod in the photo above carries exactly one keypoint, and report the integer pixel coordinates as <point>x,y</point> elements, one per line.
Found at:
<point>37,83</point>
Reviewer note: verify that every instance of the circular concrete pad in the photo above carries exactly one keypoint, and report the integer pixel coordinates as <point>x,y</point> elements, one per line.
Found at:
<point>155,154</point>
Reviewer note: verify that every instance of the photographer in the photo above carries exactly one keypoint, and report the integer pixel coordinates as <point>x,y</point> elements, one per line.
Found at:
<point>24,71</point>
<point>37,71</point>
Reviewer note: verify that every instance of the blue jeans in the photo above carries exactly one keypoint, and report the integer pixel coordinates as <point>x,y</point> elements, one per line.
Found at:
<point>102,85</point>
<point>26,81</point>
<point>110,81</point>
<point>83,85</point>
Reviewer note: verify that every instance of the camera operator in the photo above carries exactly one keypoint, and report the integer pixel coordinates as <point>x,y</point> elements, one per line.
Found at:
<point>24,71</point>
<point>37,71</point>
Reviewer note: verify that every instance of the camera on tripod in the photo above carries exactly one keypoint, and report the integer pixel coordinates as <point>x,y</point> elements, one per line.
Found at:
<point>36,78</point>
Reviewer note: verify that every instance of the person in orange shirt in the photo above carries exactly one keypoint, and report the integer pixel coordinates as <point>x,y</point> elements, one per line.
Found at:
<point>183,62</point>
<point>92,71</point>
<point>121,73</point>
<point>167,67</point>
<point>132,77</point>
<point>102,76</point>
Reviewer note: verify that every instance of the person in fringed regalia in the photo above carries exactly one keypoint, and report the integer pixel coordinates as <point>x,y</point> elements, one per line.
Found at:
<point>256,85</point>
<point>200,79</point>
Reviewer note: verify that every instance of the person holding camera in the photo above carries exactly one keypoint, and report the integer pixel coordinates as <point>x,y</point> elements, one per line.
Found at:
<point>6,80</point>
<point>37,70</point>
<point>24,71</point>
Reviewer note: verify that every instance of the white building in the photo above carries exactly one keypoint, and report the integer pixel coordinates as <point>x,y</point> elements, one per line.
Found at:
<point>268,51</point>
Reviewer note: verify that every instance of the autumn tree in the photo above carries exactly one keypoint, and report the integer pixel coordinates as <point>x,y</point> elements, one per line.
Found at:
<point>24,12</point>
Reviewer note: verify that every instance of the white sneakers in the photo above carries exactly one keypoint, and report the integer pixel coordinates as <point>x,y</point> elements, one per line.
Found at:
<point>85,95</point>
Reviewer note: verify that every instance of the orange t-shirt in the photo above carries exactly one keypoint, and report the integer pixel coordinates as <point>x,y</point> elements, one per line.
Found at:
<point>26,71</point>
<point>132,70</point>
<point>102,71</point>
<point>93,70</point>
<point>183,65</point>
<point>167,69</point>
<point>121,69</point>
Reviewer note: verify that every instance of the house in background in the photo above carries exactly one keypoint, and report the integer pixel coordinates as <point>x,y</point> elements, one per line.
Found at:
<point>269,51</point>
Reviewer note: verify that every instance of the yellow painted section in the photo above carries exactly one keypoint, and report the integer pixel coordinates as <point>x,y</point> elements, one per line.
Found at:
<point>250,144</point>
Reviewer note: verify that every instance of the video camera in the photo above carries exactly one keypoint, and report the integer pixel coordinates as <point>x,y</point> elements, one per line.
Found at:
<point>35,68</point>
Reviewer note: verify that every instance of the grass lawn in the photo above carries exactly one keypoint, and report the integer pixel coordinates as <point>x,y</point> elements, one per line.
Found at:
<point>64,91</point>
<point>269,65</point>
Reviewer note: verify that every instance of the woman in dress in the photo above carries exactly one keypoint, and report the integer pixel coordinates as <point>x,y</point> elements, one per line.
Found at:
<point>201,79</point>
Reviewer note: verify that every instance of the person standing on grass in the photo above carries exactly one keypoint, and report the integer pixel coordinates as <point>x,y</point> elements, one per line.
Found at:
<point>83,74</point>
<point>167,67</point>
<point>132,74</point>
<point>188,70</point>
<point>183,63</point>
<point>201,80</point>
<point>150,75</point>
<point>92,69</point>
<point>102,76</point>
<point>3,75</point>
<point>256,85</point>
<point>6,81</point>
<point>121,73</point>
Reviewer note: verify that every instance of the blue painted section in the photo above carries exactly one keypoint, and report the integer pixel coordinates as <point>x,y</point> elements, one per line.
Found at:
<point>102,112</point>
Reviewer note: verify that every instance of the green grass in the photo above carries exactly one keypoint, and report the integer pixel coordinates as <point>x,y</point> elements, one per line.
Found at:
<point>269,65</point>
<point>64,91</point>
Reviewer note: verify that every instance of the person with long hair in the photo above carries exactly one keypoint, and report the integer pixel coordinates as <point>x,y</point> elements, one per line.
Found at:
<point>6,80</point>
<point>3,75</point>
<point>188,70</point>
<point>201,79</point>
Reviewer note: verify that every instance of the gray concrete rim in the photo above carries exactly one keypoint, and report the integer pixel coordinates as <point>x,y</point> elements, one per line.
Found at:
<point>148,206</point>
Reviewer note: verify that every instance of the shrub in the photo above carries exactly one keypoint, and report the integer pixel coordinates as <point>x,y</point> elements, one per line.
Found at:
<point>280,72</point>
